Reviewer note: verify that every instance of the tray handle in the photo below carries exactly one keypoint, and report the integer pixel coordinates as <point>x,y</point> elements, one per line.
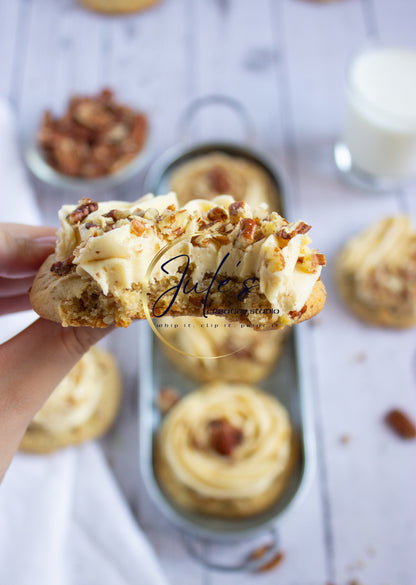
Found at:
<point>194,108</point>
<point>248,563</point>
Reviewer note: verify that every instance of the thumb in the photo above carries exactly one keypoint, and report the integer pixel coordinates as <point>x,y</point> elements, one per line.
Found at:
<point>22,256</point>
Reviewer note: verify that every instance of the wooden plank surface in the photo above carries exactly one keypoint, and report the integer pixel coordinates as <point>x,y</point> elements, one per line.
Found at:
<point>285,61</point>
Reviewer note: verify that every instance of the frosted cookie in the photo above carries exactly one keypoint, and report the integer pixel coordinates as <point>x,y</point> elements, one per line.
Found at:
<point>225,450</point>
<point>230,256</point>
<point>82,407</point>
<point>248,354</point>
<point>376,273</point>
<point>118,6</point>
<point>214,174</point>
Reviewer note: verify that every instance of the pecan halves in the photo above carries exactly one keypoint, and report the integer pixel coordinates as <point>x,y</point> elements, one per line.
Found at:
<point>87,206</point>
<point>400,422</point>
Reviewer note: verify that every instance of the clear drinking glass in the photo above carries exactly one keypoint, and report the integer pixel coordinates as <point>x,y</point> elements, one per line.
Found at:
<point>378,147</point>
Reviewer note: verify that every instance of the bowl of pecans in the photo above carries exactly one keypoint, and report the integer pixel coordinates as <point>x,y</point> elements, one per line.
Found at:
<point>96,144</point>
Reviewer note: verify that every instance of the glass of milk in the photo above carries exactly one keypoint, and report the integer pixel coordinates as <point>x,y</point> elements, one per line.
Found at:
<point>378,148</point>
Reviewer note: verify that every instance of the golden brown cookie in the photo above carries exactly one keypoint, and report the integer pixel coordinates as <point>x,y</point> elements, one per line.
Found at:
<point>257,267</point>
<point>118,6</point>
<point>225,450</point>
<point>82,407</point>
<point>214,174</point>
<point>376,273</point>
<point>243,354</point>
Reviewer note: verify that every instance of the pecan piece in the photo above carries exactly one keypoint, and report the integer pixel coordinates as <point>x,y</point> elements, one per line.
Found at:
<point>87,206</point>
<point>401,424</point>
<point>223,437</point>
<point>116,214</point>
<point>218,180</point>
<point>235,208</point>
<point>64,267</point>
<point>302,228</point>
<point>297,314</point>
<point>284,235</point>
<point>248,229</point>
<point>217,213</point>
<point>167,398</point>
<point>321,259</point>
<point>137,227</point>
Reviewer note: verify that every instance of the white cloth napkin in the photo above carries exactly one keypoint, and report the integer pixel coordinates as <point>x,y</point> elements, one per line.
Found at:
<point>63,520</point>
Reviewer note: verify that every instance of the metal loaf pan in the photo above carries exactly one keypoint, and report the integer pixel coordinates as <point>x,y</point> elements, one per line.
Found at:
<point>286,382</point>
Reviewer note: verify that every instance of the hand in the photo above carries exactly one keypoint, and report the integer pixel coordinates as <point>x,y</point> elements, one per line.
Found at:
<point>34,361</point>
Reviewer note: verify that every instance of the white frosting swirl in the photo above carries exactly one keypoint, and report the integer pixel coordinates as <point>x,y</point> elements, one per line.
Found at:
<point>256,463</point>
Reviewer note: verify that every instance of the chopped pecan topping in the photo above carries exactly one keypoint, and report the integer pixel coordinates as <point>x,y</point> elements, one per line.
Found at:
<point>284,234</point>
<point>137,227</point>
<point>218,180</point>
<point>321,259</point>
<point>167,398</point>
<point>116,214</point>
<point>235,208</point>
<point>209,225</point>
<point>87,206</point>
<point>302,228</point>
<point>90,225</point>
<point>217,213</point>
<point>64,267</point>
<point>221,239</point>
<point>297,314</point>
<point>248,229</point>
<point>223,437</point>
<point>200,241</point>
<point>401,424</point>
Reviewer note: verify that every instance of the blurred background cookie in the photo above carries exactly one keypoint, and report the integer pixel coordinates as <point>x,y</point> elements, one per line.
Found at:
<point>248,354</point>
<point>376,273</point>
<point>83,406</point>
<point>118,6</point>
<point>215,174</point>
<point>225,450</point>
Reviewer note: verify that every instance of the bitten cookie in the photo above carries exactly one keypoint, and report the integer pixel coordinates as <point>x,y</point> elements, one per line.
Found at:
<point>376,273</point>
<point>225,450</point>
<point>220,256</point>
<point>82,407</point>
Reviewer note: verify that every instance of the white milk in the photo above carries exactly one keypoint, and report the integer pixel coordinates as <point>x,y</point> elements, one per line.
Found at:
<point>381,112</point>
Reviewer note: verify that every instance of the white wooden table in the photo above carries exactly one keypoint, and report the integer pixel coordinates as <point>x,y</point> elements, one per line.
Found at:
<point>285,59</point>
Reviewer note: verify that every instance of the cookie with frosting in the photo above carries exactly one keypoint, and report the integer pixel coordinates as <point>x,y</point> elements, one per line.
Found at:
<point>376,273</point>
<point>213,349</point>
<point>218,255</point>
<point>83,406</point>
<point>225,450</point>
<point>217,173</point>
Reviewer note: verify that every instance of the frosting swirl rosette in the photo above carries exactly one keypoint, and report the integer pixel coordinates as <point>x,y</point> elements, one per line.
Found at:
<point>225,450</point>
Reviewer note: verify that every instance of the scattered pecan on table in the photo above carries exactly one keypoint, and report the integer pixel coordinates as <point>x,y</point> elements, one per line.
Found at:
<point>96,136</point>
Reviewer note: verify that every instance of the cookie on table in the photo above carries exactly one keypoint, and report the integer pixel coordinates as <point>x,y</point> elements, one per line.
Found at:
<point>225,450</point>
<point>376,273</point>
<point>214,174</point>
<point>246,354</point>
<point>82,407</point>
<point>118,6</point>
<point>97,274</point>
